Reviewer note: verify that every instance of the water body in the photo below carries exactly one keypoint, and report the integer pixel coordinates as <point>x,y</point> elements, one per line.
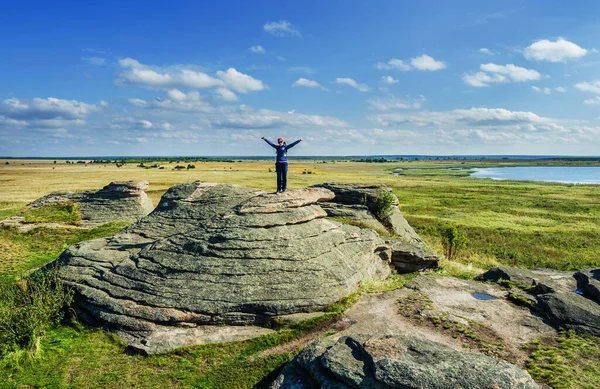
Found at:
<point>564,174</point>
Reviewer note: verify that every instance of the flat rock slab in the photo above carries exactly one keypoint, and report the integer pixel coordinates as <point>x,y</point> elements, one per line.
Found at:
<point>221,254</point>
<point>165,338</point>
<point>511,324</point>
<point>566,299</point>
<point>381,362</point>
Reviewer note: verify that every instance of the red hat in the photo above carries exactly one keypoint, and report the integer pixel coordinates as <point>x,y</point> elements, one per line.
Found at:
<point>279,140</point>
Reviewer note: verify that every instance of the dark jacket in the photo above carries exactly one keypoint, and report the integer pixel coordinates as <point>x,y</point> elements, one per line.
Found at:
<point>282,150</point>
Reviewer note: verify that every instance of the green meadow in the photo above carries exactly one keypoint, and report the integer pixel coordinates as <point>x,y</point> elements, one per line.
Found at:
<point>515,223</point>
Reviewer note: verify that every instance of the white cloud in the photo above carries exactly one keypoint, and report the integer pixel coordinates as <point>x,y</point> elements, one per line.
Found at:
<point>225,94</point>
<point>98,61</point>
<point>247,117</point>
<point>307,83</point>
<point>560,50</point>
<point>146,124</point>
<point>352,83</point>
<point>388,80</point>
<point>594,101</point>
<point>560,89</point>
<point>425,62</point>
<point>393,64</point>
<point>45,109</point>
<point>547,91</point>
<point>103,103</point>
<point>395,103</point>
<point>593,86</point>
<point>494,74</point>
<point>486,51</point>
<point>535,88</point>
<point>282,28</point>
<point>240,82</point>
<point>257,50</point>
<point>146,76</point>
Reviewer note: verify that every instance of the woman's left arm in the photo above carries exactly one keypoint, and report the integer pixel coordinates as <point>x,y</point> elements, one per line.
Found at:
<point>293,144</point>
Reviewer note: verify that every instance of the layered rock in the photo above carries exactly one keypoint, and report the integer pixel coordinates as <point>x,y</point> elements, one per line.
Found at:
<point>212,253</point>
<point>567,299</point>
<point>117,201</point>
<point>380,362</point>
<point>367,195</point>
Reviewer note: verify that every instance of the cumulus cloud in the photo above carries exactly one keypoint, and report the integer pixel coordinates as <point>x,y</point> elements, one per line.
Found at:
<point>486,51</point>
<point>393,64</point>
<point>594,101</point>
<point>352,83</point>
<point>423,62</point>
<point>547,91</point>
<point>225,94</point>
<point>560,89</point>
<point>146,76</point>
<point>535,88</point>
<point>257,50</point>
<point>388,80</point>
<point>560,50</point>
<point>307,83</point>
<point>493,74</point>
<point>240,82</point>
<point>282,28</point>
<point>593,86</point>
<point>45,109</point>
<point>476,117</point>
<point>246,117</point>
<point>384,104</point>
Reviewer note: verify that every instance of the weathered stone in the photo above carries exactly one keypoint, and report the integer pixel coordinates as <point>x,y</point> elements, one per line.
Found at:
<point>367,195</point>
<point>539,280</point>
<point>378,362</point>
<point>358,213</point>
<point>570,310</point>
<point>589,282</point>
<point>408,258</point>
<point>212,253</point>
<point>117,201</point>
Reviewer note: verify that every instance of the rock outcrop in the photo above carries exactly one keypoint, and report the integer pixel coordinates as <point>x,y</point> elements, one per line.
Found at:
<point>567,299</point>
<point>221,254</point>
<point>117,201</point>
<point>379,362</point>
<point>359,204</point>
<point>367,195</point>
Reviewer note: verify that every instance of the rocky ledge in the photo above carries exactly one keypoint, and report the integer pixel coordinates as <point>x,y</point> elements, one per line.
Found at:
<point>567,299</point>
<point>380,362</point>
<point>221,254</point>
<point>117,201</point>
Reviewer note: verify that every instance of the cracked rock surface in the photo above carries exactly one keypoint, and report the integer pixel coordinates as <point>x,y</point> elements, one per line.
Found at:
<point>220,254</point>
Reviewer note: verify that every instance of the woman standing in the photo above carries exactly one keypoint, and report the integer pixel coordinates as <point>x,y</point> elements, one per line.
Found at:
<point>281,165</point>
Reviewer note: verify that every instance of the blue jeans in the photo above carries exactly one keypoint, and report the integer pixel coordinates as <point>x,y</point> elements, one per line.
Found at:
<point>281,169</point>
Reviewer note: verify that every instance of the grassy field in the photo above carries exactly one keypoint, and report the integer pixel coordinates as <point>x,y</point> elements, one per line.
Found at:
<point>524,224</point>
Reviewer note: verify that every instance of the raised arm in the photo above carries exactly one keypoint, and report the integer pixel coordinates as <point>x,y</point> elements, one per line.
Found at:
<point>293,144</point>
<point>273,145</point>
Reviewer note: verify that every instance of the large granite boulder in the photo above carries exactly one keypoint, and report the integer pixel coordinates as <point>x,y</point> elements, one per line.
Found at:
<point>117,201</point>
<point>380,362</point>
<point>221,254</point>
<point>567,299</point>
<point>367,195</point>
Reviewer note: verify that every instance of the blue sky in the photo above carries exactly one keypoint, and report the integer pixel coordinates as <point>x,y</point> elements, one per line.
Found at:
<point>349,77</point>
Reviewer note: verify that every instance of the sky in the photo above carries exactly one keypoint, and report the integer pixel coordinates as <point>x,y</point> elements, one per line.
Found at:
<point>210,78</point>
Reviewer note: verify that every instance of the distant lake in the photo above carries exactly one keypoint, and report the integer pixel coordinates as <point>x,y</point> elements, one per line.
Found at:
<point>565,174</point>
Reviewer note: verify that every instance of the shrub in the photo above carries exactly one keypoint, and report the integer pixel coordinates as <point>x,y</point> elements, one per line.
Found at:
<point>453,239</point>
<point>28,307</point>
<point>383,204</point>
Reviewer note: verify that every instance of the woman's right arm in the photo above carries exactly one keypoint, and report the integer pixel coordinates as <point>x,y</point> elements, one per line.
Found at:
<point>269,142</point>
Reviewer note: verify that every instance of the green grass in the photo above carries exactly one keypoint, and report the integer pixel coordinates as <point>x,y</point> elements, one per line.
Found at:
<point>23,252</point>
<point>64,213</point>
<point>570,363</point>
